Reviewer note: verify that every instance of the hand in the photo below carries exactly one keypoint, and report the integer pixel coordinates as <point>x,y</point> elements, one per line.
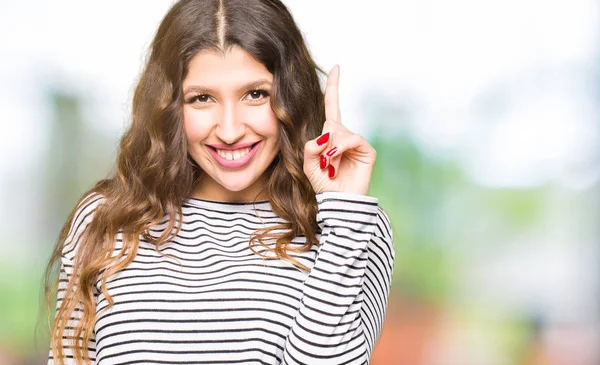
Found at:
<point>338,160</point>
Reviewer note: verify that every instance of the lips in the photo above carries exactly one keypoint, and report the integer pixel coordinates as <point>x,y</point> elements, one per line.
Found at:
<point>231,148</point>
<point>223,155</point>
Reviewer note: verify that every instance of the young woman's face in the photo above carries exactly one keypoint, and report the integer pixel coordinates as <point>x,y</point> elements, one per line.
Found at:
<point>231,130</point>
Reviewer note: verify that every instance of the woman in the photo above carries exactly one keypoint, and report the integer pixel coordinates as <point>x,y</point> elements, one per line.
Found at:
<point>237,228</point>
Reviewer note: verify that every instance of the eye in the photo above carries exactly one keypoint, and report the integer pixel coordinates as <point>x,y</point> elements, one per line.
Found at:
<point>258,95</point>
<point>200,98</point>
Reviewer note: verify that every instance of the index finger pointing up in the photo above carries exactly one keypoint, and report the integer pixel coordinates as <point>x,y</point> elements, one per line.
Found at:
<point>332,104</point>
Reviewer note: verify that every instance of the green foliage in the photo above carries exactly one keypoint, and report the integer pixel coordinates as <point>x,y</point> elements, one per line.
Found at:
<point>519,208</point>
<point>19,307</point>
<point>438,215</point>
<point>412,188</point>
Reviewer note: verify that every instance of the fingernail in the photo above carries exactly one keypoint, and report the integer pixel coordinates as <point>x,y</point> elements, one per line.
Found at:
<point>331,151</point>
<point>323,139</point>
<point>323,162</point>
<point>331,171</point>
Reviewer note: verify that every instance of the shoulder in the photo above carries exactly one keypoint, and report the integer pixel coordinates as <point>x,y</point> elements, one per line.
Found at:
<point>81,217</point>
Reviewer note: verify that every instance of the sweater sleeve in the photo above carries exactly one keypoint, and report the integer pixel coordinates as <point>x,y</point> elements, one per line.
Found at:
<point>83,216</point>
<point>345,296</point>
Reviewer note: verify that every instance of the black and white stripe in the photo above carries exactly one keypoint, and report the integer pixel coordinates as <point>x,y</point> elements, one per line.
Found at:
<point>214,301</point>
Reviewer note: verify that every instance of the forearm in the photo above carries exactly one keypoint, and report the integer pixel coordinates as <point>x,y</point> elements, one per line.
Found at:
<point>329,327</point>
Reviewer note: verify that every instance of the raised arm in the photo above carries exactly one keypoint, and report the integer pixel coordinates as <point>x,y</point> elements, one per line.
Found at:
<point>345,295</point>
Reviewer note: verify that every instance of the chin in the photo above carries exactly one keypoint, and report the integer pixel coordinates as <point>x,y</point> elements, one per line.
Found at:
<point>235,186</point>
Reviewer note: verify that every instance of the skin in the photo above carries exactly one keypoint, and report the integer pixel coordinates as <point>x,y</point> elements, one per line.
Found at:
<point>227,102</point>
<point>348,154</point>
<point>220,108</point>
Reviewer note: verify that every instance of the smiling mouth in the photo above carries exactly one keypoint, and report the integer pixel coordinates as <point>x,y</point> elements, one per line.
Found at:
<point>234,155</point>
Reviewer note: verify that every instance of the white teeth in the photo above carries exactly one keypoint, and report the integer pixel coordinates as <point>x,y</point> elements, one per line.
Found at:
<point>234,155</point>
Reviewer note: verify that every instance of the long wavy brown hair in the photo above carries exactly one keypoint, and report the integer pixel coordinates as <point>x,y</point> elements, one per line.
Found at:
<point>155,174</point>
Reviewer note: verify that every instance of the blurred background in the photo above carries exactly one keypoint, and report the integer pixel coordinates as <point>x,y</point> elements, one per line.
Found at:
<point>485,115</point>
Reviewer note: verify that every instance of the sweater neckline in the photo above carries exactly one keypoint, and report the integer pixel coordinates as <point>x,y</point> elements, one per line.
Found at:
<point>230,206</point>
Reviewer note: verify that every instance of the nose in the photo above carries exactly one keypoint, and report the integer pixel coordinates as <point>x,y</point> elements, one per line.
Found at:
<point>230,128</point>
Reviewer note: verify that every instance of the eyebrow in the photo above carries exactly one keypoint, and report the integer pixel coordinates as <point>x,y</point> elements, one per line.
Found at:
<point>248,86</point>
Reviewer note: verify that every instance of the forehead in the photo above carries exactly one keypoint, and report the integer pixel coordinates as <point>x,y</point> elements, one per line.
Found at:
<point>232,68</point>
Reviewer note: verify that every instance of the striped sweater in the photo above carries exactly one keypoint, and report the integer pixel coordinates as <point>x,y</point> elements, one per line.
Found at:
<point>214,301</point>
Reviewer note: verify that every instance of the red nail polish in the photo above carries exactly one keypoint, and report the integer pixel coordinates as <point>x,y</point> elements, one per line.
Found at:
<point>331,171</point>
<point>323,139</point>
<point>323,162</point>
<point>331,151</point>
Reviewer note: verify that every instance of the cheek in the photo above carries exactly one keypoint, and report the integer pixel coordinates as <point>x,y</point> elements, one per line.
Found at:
<point>264,121</point>
<point>196,124</point>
